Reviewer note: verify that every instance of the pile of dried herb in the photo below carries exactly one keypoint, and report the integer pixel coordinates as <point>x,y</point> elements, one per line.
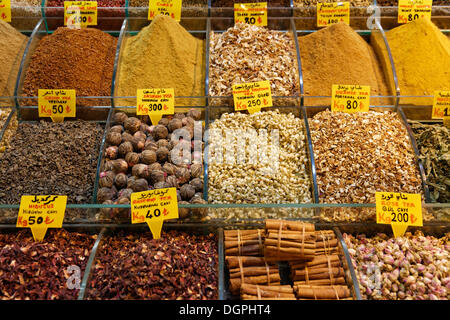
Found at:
<point>135,266</point>
<point>32,270</point>
<point>433,142</point>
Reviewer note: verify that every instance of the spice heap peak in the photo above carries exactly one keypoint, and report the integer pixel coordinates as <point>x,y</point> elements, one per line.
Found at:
<point>163,55</point>
<point>421,54</point>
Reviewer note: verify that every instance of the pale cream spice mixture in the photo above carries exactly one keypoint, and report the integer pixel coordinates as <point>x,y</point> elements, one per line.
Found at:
<point>249,181</point>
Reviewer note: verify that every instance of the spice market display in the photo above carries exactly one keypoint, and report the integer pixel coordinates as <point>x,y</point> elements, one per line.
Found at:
<point>198,195</point>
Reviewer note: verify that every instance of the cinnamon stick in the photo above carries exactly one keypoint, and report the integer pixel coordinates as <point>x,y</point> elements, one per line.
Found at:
<point>328,243</point>
<point>317,261</point>
<point>235,283</point>
<point>248,287</point>
<point>321,282</point>
<point>295,253</point>
<point>325,233</point>
<point>263,291</point>
<point>234,233</point>
<point>292,244</point>
<point>252,271</point>
<point>233,261</point>
<point>298,236</point>
<point>322,292</point>
<point>242,243</point>
<point>302,265</point>
<point>319,273</point>
<point>245,250</point>
<point>288,225</point>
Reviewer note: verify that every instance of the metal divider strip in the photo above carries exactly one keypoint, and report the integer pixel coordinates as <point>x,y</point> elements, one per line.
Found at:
<point>348,259</point>
<point>91,260</point>
<point>416,153</point>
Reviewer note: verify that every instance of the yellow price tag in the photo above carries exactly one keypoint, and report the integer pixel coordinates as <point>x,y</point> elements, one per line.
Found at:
<point>57,103</point>
<point>171,8</point>
<point>441,105</point>
<point>350,98</point>
<point>252,96</point>
<point>5,10</point>
<point>400,210</point>
<point>251,13</point>
<point>80,13</point>
<point>410,10</point>
<point>153,207</point>
<point>333,12</point>
<point>155,103</point>
<point>40,213</point>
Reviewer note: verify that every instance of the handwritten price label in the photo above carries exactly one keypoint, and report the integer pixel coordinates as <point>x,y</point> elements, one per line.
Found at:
<point>80,13</point>
<point>441,105</point>
<point>333,12</point>
<point>40,213</point>
<point>57,103</point>
<point>155,103</point>
<point>251,13</point>
<point>400,210</point>
<point>5,10</point>
<point>153,207</point>
<point>350,98</point>
<point>171,8</point>
<point>252,96</point>
<point>410,10</point>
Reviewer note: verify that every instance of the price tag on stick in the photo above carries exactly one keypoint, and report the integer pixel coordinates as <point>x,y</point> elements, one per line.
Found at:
<point>80,14</point>
<point>400,210</point>
<point>410,10</point>
<point>252,96</point>
<point>40,213</point>
<point>329,13</point>
<point>251,13</point>
<point>350,98</point>
<point>171,8</point>
<point>57,104</point>
<point>441,105</point>
<point>5,10</point>
<point>155,103</point>
<point>153,207</point>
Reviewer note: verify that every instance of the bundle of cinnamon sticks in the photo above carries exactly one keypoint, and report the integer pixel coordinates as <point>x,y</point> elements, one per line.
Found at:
<point>245,260</point>
<point>257,292</point>
<point>289,240</point>
<point>322,277</point>
<point>313,257</point>
<point>244,242</point>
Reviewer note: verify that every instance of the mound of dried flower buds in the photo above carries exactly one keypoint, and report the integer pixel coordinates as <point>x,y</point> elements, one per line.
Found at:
<point>32,270</point>
<point>176,266</point>
<point>403,268</point>
<point>140,157</point>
